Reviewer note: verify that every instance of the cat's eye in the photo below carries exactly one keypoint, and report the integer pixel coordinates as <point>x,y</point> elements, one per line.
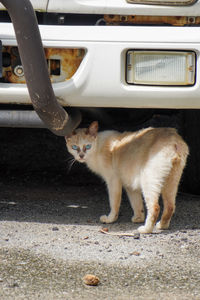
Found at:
<point>88,146</point>
<point>74,147</point>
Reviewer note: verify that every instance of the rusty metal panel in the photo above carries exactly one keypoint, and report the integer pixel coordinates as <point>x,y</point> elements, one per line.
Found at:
<point>69,60</point>
<point>62,64</point>
<point>151,20</point>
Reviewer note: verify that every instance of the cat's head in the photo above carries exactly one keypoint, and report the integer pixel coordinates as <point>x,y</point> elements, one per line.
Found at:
<point>82,142</point>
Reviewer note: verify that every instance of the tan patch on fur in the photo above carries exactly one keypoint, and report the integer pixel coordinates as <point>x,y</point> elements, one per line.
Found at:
<point>156,211</point>
<point>168,214</point>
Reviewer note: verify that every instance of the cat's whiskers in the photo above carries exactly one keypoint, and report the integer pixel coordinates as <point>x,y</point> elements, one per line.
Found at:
<point>70,162</point>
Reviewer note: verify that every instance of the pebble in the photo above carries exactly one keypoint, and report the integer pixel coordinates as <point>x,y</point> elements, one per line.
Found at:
<point>136,236</point>
<point>90,279</point>
<point>55,228</point>
<point>13,285</point>
<point>136,253</point>
<point>184,239</point>
<point>105,229</point>
<point>125,284</point>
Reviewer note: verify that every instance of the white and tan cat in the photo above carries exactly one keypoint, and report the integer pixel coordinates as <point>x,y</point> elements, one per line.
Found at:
<point>146,163</point>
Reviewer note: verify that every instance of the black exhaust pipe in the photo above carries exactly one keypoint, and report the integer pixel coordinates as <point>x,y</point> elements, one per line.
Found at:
<point>35,69</point>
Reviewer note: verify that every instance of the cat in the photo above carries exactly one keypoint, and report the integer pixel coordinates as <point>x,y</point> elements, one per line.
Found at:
<point>146,163</point>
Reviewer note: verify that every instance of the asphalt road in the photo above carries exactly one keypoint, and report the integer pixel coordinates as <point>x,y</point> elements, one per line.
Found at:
<point>50,232</point>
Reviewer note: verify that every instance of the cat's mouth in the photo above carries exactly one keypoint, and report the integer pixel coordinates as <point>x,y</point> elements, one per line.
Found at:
<point>81,160</point>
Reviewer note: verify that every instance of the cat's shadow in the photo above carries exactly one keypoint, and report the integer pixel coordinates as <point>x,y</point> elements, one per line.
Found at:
<point>186,216</point>
<point>83,205</point>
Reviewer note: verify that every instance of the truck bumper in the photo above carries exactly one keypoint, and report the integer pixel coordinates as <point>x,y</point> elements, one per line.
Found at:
<point>100,78</point>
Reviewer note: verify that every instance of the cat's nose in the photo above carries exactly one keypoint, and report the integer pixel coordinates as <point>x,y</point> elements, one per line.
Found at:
<point>81,155</point>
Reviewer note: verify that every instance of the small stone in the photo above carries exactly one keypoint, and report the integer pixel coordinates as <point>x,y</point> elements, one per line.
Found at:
<point>13,285</point>
<point>125,284</point>
<point>89,221</point>
<point>105,229</point>
<point>136,253</point>
<point>137,236</point>
<point>55,228</point>
<point>90,279</point>
<point>86,238</point>
<point>184,239</point>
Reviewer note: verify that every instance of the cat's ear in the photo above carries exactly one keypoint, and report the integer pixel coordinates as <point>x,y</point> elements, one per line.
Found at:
<point>93,128</point>
<point>67,137</point>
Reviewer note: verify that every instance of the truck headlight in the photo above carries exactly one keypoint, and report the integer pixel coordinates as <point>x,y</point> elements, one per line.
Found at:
<point>160,67</point>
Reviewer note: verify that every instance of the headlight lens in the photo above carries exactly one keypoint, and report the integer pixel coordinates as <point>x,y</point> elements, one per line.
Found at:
<point>160,67</point>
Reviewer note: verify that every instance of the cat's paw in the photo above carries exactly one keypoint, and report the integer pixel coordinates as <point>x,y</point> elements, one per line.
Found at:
<point>107,219</point>
<point>144,229</point>
<point>161,226</point>
<point>137,219</point>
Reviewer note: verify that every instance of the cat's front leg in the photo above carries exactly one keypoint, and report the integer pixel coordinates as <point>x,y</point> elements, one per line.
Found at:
<point>115,193</point>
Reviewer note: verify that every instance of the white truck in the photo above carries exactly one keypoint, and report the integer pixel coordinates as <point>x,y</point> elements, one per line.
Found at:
<point>140,55</point>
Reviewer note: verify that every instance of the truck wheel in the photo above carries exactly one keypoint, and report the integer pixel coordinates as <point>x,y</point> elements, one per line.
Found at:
<point>191,134</point>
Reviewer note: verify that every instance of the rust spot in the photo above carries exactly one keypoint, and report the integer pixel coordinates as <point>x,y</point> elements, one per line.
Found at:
<point>68,59</point>
<point>62,64</point>
<point>150,20</point>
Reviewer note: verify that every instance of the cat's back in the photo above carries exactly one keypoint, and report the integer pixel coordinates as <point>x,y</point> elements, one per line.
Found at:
<point>139,144</point>
<point>164,137</point>
<point>143,144</point>
<point>148,137</point>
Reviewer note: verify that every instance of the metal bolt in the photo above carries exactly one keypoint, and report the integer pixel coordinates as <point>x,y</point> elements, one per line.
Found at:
<point>191,20</point>
<point>123,18</point>
<point>19,71</point>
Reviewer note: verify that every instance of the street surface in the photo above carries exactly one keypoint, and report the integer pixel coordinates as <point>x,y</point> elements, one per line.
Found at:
<point>50,232</point>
